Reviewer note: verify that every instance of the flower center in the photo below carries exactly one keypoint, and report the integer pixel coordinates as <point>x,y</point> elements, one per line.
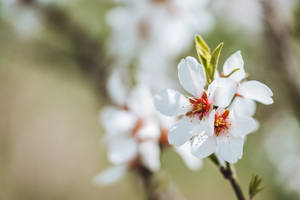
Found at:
<point>221,123</point>
<point>200,107</point>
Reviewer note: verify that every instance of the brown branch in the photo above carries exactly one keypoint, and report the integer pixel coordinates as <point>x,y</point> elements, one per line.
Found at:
<point>282,50</point>
<point>228,174</point>
<point>152,187</point>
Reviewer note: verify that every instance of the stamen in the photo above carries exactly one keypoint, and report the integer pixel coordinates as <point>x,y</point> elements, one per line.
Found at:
<point>221,123</point>
<point>200,107</point>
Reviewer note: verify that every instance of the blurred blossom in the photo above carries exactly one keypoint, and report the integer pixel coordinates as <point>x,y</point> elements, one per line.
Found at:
<point>135,131</point>
<point>154,32</point>
<point>284,149</point>
<point>22,17</point>
<point>249,13</point>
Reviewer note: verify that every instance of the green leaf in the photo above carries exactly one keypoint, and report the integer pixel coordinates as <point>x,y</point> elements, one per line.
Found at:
<point>216,55</point>
<point>255,186</point>
<point>201,46</point>
<point>204,62</point>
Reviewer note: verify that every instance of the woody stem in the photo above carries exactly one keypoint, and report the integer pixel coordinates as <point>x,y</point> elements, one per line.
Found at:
<point>228,174</point>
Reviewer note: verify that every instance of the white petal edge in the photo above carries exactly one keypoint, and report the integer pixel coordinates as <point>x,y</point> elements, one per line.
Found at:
<point>149,130</point>
<point>116,86</point>
<point>122,150</point>
<point>191,76</point>
<point>117,121</point>
<point>140,101</point>
<point>171,103</point>
<point>110,175</point>
<point>221,91</point>
<point>243,106</point>
<point>182,131</point>
<point>203,145</point>
<point>233,62</point>
<point>191,161</point>
<point>150,155</point>
<point>257,91</point>
<point>230,148</point>
<point>242,125</point>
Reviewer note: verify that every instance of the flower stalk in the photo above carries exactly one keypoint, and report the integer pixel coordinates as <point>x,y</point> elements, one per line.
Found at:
<point>229,174</point>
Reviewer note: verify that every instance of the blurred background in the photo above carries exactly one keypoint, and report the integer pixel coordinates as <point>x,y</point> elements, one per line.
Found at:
<point>55,58</point>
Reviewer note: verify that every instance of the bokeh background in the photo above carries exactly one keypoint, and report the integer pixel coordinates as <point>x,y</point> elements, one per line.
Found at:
<point>54,63</point>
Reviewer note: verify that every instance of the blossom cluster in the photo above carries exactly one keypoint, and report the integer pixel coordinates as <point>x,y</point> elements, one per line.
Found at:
<point>217,115</point>
<point>151,34</point>
<point>135,132</point>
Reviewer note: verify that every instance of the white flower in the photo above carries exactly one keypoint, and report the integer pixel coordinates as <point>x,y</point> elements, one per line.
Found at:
<point>247,91</point>
<point>223,134</point>
<point>193,79</point>
<point>191,161</point>
<point>133,131</point>
<point>24,19</point>
<point>161,27</point>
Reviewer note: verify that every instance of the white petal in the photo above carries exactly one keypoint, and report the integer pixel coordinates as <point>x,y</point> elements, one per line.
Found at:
<point>191,161</point>
<point>150,155</point>
<point>171,103</point>
<point>192,76</point>
<point>257,91</point>
<point>221,91</point>
<point>230,148</point>
<point>233,62</point>
<point>242,124</point>
<point>117,121</point>
<point>141,101</point>
<point>110,176</point>
<point>149,130</point>
<point>122,150</point>
<point>203,145</point>
<point>182,131</point>
<point>243,106</point>
<point>116,86</point>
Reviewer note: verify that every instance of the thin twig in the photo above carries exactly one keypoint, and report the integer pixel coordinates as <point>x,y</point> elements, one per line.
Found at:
<point>228,174</point>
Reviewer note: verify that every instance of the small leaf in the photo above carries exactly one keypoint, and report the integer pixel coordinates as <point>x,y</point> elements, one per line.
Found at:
<point>255,186</point>
<point>215,55</point>
<point>201,45</point>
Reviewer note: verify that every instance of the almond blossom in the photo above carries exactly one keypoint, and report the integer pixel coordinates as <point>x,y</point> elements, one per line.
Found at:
<point>135,132</point>
<point>145,35</point>
<point>192,77</point>
<point>208,120</point>
<point>247,91</point>
<point>224,135</point>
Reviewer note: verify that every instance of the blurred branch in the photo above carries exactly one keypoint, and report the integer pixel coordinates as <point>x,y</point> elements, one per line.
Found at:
<point>152,187</point>
<point>229,174</point>
<point>281,48</point>
<point>87,51</point>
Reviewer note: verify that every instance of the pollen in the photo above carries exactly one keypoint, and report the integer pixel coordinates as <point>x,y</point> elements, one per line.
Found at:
<point>200,107</point>
<point>221,123</point>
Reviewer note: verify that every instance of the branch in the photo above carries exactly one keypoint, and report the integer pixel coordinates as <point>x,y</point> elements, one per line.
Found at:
<point>86,50</point>
<point>228,174</point>
<point>152,187</point>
